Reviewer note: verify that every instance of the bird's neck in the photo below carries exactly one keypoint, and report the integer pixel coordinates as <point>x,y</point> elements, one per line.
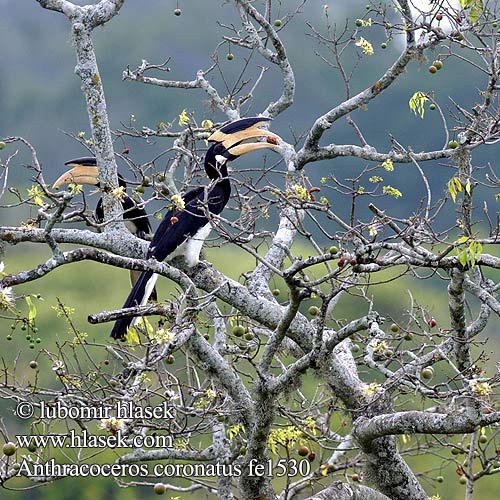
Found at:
<point>215,170</point>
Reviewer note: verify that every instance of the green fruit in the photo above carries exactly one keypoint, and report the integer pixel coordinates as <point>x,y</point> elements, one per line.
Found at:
<point>278,23</point>
<point>438,64</point>
<point>313,311</point>
<point>146,181</point>
<point>355,348</point>
<point>249,336</point>
<point>160,488</point>
<point>432,69</point>
<point>9,337</point>
<point>483,439</point>
<point>32,346</point>
<point>38,340</point>
<point>394,328</point>
<point>32,447</point>
<point>206,336</point>
<point>463,480</point>
<point>427,373</point>
<point>408,336</point>
<point>221,418</point>
<point>2,144</point>
<point>33,365</point>
<point>177,12</point>
<point>389,353</point>
<point>139,189</point>
<point>9,448</point>
<point>333,250</point>
<point>303,451</point>
<point>239,331</point>
<point>113,382</point>
<point>383,45</point>
<point>28,337</point>
<point>230,56</point>
<point>170,359</point>
<point>440,479</point>
<point>276,292</point>
<point>453,144</point>
<point>432,107</point>
<point>161,177</point>
<point>23,328</point>
<point>493,25</point>
<point>359,23</point>
<point>243,450</point>
<point>454,451</point>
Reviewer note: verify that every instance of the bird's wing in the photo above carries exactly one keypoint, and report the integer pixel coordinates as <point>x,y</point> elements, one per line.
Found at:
<point>178,225</point>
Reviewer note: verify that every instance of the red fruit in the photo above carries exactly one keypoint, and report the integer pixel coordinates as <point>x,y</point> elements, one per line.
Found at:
<point>355,477</point>
<point>303,451</point>
<point>432,323</point>
<point>311,457</point>
<point>125,151</point>
<point>174,220</point>
<point>353,262</point>
<point>341,262</point>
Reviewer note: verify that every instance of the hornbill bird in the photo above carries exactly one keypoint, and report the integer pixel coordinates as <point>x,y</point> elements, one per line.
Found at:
<point>186,225</point>
<point>85,171</point>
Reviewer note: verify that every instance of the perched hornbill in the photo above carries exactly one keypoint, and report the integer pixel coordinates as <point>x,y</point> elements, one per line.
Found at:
<point>85,171</point>
<point>184,229</point>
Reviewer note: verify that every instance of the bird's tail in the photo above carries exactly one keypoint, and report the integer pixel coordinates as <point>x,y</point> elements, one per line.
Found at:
<point>139,295</point>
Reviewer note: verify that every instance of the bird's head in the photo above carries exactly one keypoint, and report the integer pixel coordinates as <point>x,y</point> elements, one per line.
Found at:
<point>230,143</point>
<point>82,171</point>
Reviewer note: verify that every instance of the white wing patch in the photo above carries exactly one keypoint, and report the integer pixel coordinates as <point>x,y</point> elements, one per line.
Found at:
<point>191,248</point>
<point>147,293</point>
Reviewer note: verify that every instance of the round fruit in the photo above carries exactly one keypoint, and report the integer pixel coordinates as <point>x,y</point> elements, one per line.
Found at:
<point>221,418</point>
<point>9,448</point>
<point>160,488</point>
<point>483,439</point>
<point>359,23</point>
<point>355,348</point>
<point>106,361</point>
<point>408,336</point>
<point>28,337</point>
<point>493,25</point>
<point>355,477</point>
<point>2,144</point>
<point>239,330</point>
<point>177,12</point>
<point>383,45</point>
<point>440,479</point>
<point>278,23</point>
<point>113,382</point>
<point>170,359</point>
<point>439,16</point>
<point>437,64</point>
<point>463,480</point>
<point>32,447</point>
<point>140,189</point>
<point>146,181</point>
<point>311,457</point>
<point>249,336</point>
<point>313,311</point>
<point>276,292</point>
<point>34,365</point>
<point>206,336</point>
<point>453,144</point>
<point>432,69</point>
<point>389,353</point>
<point>333,250</point>
<point>427,373</point>
<point>353,262</point>
<point>230,56</point>
<point>38,340</point>
<point>32,346</point>
<point>303,451</point>
<point>432,323</point>
<point>341,262</point>
<point>432,107</point>
<point>174,220</point>
<point>243,450</point>
<point>161,177</point>
<point>394,328</point>
<point>9,337</point>
<point>454,451</point>
<point>16,466</point>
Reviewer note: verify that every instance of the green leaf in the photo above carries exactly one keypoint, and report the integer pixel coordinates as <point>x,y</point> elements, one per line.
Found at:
<point>32,309</point>
<point>463,258</point>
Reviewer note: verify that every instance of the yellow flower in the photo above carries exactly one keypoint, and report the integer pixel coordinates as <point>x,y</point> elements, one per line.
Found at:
<point>392,191</point>
<point>300,191</point>
<point>388,165</point>
<point>178,202</point>
<point>112,424</point>
<point>119,193</point>
<point>371,389</point>
<point>380,347</point>
<point>366,46</point>
<point>163,336</point>
<point>481,389</point>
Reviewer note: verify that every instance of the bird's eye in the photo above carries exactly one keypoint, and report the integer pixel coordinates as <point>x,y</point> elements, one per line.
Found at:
<point>219,149</point>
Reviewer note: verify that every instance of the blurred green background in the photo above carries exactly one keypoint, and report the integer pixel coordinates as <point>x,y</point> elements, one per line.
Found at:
<point>40,98</point>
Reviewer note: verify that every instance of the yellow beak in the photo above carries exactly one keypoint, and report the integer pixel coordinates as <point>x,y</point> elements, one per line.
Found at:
<point>230,140</point>
<point>79,174</point>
